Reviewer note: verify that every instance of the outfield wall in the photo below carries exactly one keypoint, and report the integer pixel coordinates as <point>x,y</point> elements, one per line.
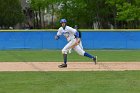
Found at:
<point>90,39</point>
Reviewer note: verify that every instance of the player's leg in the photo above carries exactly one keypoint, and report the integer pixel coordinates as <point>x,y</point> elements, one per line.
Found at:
<point>80,44</point>
<point>83,53</point>
<point>70,51</point>
<point>79,50</point>
<point>87,54</point>
<point>64,52</point>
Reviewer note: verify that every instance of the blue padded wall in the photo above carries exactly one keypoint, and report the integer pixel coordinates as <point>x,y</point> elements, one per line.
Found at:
<point>90,40</point>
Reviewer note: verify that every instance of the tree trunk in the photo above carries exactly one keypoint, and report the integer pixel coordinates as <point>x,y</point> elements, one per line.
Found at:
<point>52,16</point>
<point>37,24</point>
<point>40,24</point>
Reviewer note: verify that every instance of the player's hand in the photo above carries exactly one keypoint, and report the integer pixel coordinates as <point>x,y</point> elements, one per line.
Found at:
<point>56,37</point>
<point>77,41</point>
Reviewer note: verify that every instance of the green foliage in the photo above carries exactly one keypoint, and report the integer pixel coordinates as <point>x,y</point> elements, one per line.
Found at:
<point>10,12</point>
<point>128,12</point>
<point>87,12</point>
<point>74,11</point>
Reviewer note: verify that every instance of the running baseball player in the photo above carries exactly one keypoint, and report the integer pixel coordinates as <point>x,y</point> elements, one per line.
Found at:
<point>73,39</point>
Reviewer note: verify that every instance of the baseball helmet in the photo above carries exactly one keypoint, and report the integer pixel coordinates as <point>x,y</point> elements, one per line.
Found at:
<point>63,21</point>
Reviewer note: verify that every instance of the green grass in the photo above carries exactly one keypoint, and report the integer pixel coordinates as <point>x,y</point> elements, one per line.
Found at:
<point>70,82</point>
<point>55,55</point>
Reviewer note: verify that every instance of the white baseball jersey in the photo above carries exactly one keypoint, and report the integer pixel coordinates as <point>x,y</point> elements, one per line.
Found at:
<point>68,32</point>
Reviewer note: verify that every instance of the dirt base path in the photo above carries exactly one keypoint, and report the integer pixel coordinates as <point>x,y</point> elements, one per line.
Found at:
<point>72,66</point>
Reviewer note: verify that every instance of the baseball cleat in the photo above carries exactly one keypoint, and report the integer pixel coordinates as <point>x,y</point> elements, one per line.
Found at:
<point>62,66</point>
<point>95,60</point>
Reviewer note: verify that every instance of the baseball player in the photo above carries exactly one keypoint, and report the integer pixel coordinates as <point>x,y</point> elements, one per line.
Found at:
<point>73,39</point>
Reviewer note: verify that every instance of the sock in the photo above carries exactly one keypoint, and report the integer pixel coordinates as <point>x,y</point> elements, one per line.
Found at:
<point>88,55</point>
<point>65,58</point>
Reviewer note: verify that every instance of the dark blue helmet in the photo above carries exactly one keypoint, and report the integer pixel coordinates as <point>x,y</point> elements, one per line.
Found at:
<point>63,21</point>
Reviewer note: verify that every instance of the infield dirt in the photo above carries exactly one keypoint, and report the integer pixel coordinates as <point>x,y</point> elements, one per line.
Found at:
<point>72,66</point>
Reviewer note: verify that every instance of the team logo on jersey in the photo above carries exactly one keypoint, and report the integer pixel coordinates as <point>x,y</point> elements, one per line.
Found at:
<point>66,34</point>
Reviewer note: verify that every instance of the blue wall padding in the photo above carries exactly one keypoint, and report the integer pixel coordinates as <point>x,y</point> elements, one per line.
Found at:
<point>90,40</point>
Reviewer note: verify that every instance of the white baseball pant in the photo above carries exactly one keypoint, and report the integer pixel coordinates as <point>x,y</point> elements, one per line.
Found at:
<point>77,48</point>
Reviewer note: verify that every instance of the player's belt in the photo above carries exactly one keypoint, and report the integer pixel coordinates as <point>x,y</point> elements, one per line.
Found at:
<point>71,39</point>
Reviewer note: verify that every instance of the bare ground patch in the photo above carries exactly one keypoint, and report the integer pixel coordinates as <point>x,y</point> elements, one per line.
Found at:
<point>72,66</point>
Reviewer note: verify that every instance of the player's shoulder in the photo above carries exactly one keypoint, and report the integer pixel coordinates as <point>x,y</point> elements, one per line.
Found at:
<point>69,28</point>
<point>60,29</point>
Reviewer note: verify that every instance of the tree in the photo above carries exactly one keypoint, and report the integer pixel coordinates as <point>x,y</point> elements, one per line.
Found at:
<point>88,13</point>
<point>127,12</point>
<point>74,12</point>
<point>43,7</point>
<point>10,13</point>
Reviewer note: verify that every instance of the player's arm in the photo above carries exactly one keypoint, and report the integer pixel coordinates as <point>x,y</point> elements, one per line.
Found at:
<point>57,36</point>
<point>76,43</point>
<point>77,40</point>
